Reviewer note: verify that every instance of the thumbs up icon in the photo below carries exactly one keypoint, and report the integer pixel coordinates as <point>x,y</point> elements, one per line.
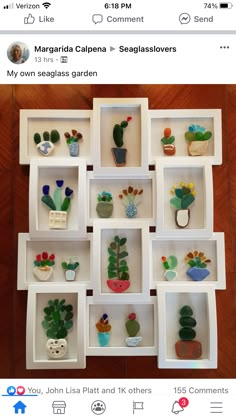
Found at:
<point>176,408</point>
<point>29,20</point>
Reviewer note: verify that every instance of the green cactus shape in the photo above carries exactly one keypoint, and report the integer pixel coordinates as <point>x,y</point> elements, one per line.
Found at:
<point>58,319</point>
<point>118,132</point>
<point>187,323</point>
<point>117,267</point>
<point>132,326</point>
<point>54,136</point>
<point>184,195</point>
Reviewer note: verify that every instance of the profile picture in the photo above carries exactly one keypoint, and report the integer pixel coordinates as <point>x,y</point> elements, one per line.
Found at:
<point>18,53</point>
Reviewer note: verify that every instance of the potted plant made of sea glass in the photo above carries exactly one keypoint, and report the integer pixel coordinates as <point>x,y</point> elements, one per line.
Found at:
<point>70,265</point>
<point>169,264</point>
<point>104,207</point>
<point>46,145</point>
<point>198,265</point>
<point>132,328</point>
<point>118,271</point>
<point>130,197</point>
<point>43,266</point>
<point>72,141</point>
<point>58,320</point>
<point>198,140</point>
<point>104,329</point>
<point>184,196</point>
<point>119,153</point>
<point>187,347</point>
<point>58,205</point>
<point>168,143</point>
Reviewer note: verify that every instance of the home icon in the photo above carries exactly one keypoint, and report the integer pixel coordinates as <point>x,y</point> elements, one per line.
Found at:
<point>19,407</point>
<point>59,407</point>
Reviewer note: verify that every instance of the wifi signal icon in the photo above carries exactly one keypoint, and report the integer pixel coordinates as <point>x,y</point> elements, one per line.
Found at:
<point>46,5</point>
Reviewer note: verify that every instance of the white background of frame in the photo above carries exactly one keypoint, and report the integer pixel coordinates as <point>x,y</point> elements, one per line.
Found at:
<point>118,313</point>
<point>201,298</point>
<point>179,120</point>
<point>110,111</point>
<point>138,261</point>
<point>201,211</point>
<point>213,248</point>
<point>146,208</point>
<point>36,356</point>
<point>40,120</point>
<point>73,172</point>
<point>29,248</point>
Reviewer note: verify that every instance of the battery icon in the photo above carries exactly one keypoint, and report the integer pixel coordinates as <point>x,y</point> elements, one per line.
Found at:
<point>226,5</point>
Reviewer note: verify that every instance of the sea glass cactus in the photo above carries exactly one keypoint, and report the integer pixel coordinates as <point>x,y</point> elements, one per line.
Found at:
<point>119,153</point>
<point>168,142</point>
<point>187,347</point>
<point>104,329</point>
<point>184,196</point>
<point>45,145</point>
<point>169,264</point>
<point>70,265</point>
<point>104,207</point>
<point>118,270</point>
<point>72,141</point>
<point>57,204</point>
<point>131,197</point>
<point>58,320</point>
<point>198,140</point>
<point>198,265</point>
<point>132,328</point>
<point>43,266</point>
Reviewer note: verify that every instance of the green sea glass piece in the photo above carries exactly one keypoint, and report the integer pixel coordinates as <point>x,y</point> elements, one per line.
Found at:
<point>186,311</point>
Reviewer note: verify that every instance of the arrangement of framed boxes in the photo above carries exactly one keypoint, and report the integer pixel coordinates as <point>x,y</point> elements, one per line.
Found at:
<point>151,236</point>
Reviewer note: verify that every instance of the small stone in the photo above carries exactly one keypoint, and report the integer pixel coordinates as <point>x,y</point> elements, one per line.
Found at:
<point>187,333</point>
<point>56,348</point>
<point>186,311</point>
<point>119,156</point>
<point>45,147</point>
<point>198,148</point>
<point>182,218</point>
<point>104,209</point>
<point>198,274</point>
<point>187,321</point>
<point>188,349</point>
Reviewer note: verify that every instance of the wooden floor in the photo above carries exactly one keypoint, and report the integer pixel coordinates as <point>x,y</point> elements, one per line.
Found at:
<point>14,218</point>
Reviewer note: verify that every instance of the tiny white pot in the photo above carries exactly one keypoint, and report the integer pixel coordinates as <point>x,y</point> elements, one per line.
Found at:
<point>45,147</point>
<point>70,275</point>
<point>198,147</point>
<point>56,348</point>
<point>43,273</point>
<point>133,341</point>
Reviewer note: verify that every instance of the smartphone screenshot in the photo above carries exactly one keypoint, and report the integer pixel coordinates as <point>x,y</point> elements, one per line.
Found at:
<point>117,217</point>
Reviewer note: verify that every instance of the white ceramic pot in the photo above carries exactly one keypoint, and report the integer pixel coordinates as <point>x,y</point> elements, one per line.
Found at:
<point>56,348</point>
<point>133,341</point>
<point>43,273</point>
<point>57,219</point>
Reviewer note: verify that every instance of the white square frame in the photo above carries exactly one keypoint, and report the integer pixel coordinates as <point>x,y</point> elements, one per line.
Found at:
<point>98,105</point>
<point>119,209</point>
<point>79,198</point>
<point>118,326</point>
<point>98,295</point>
<point>50,115</point>
<point>205,206</point>
<point>78,362</point>
<point>214,157</point>
<point>26,279</point>
<point>203,298</point>
<point>217,279</point>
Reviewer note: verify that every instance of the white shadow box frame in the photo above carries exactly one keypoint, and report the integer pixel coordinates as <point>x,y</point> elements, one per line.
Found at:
<point>138,261</point>
<point>110,111</point>
<point>46,172</point>
<point>118,315</point>
<point>39,120</point>
<point>28,249</point>
<point>146,207</point>
<point>36,354</point>
<point>201,211</point>
<point>201,298</point>
<point>179,120</point>
<point>213,248</point>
